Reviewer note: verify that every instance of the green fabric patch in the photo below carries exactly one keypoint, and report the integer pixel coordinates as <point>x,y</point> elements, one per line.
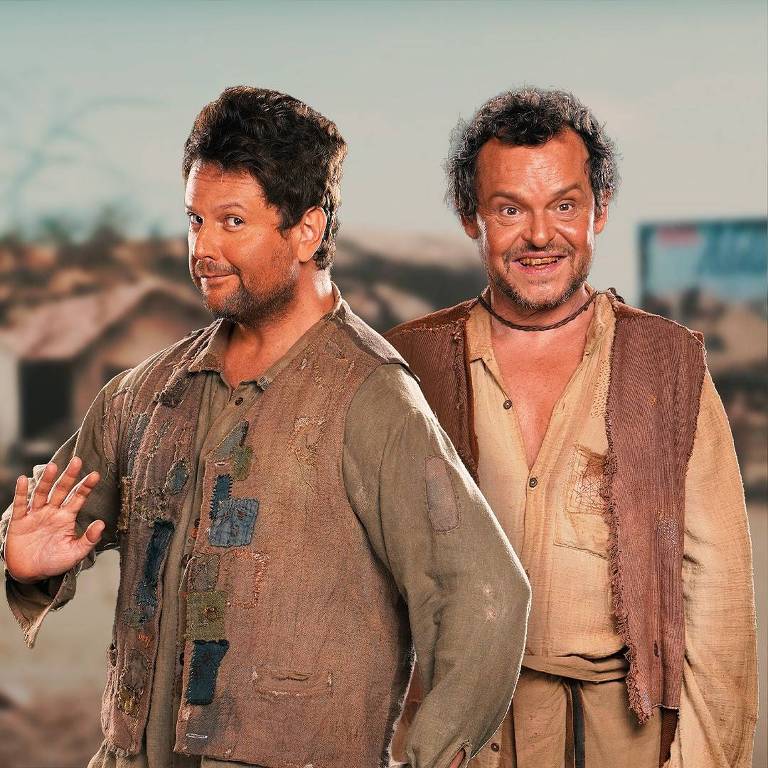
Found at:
<point>132,682</point>
<point>205,615</point>
<point>134,617</point>
<point>241,458</point>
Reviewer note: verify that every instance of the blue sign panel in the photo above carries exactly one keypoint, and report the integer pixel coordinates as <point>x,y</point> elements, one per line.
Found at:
<point>724,259</point>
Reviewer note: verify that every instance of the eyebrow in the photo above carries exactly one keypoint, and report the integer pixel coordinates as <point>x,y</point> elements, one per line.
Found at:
<point>559,193</point>
<point>220,207</point>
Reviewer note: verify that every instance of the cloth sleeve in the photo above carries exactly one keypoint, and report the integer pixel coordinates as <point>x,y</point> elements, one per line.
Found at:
<point>718,704</point>
<point>95,443</point>
<point>467,594</point>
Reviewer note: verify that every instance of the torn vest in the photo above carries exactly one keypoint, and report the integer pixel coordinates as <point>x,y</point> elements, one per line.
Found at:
<point>657,369</point>
<point>297,649</point>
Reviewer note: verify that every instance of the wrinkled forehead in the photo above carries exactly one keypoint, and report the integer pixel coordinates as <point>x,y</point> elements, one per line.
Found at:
<point>563,161</point>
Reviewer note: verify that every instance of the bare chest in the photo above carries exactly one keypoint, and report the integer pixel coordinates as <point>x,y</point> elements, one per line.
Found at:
<point>535,383</point>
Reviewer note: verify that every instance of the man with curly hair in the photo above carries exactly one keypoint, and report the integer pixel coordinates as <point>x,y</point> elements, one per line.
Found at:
<point>596,434</point>
<point>288,512</point>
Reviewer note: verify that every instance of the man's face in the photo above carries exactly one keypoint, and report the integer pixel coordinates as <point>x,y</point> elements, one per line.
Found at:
<point>238,259</point>
<point>535,221</point>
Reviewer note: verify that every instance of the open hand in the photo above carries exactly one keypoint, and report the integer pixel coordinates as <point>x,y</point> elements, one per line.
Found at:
<point>42,540</point>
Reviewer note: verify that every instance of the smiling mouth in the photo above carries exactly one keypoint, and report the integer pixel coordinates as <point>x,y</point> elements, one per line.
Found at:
<point>538,261</point>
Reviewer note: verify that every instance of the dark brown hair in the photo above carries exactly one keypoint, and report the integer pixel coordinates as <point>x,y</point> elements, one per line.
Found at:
<point>290,149</point>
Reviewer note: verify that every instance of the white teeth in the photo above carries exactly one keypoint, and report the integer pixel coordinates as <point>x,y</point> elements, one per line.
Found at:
<point>538,262</point>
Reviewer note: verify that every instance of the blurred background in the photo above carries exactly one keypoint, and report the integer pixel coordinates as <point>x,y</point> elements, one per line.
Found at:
<point>96,101</point>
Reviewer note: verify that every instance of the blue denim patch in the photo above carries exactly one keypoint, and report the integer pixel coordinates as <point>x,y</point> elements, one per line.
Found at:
<point>204,668</point>
<point>146,591</point>
<point>137,430</point>
<point>222,489</point>
<point>233,527</point>
<point>174,390</point>
<point>177,477</point>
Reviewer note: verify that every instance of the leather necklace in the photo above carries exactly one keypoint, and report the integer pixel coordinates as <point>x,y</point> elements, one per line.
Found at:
<point>487,305</point>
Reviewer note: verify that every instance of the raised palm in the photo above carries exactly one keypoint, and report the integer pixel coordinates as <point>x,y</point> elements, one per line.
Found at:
<point>42,540</point>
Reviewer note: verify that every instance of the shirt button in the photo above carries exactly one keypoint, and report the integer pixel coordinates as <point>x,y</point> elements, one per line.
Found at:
<point>239,401</point>
<point>533,482</point>
<point>507,405</point>
<point>495,747</point>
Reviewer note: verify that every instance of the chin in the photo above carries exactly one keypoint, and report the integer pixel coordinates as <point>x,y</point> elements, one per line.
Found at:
<point>539,298</point>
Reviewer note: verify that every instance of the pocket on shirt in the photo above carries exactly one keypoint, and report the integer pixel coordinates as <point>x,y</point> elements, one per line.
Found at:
<point>583,523</point>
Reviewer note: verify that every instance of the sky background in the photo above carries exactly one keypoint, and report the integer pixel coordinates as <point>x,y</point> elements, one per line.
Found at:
<point>96,100</point>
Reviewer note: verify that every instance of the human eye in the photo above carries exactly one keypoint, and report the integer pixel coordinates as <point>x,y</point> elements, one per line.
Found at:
<point>567,208</point>
<point>233,221</point>
<point>509,211</point>
<point>194,219</point>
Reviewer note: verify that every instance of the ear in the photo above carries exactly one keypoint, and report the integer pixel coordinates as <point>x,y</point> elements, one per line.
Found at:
<point>470,226</point>
<point>602,219</point>
<point>308,233</point>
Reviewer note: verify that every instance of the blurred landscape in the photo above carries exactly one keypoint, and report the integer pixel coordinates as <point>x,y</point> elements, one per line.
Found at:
<point>95,102</point>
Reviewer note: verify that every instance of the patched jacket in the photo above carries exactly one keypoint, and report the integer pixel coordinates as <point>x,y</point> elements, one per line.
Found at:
<point>299,609</point>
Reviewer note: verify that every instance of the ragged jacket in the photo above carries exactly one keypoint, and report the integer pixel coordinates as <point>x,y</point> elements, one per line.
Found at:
<point>291,623</point>
<point>657,369</point>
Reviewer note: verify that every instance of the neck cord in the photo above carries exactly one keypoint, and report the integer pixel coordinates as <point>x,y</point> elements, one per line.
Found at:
<point>487,305</point>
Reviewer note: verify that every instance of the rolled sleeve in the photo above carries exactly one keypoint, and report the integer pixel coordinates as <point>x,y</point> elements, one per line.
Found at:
<point>468,597</point>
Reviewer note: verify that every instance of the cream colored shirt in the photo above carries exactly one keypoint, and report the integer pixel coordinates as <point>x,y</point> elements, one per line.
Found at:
<point>554,517</point>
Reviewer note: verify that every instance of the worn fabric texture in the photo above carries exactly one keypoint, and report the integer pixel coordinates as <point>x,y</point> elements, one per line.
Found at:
<point>561,530</point>
<point>386,565</point>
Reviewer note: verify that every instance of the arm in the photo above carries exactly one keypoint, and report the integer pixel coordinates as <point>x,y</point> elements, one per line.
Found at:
<point>718,704</point>
<point>47,567</point>
<point>467,595</point>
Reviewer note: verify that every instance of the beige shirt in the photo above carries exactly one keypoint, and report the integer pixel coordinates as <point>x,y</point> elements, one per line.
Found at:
<point>554,517</point>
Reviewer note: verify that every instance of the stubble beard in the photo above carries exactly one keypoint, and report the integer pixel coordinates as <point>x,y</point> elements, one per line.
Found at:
<point>526,305</point>
<point>245,307</point>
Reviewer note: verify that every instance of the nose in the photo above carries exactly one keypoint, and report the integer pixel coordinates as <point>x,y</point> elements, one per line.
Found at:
<point>539,232</point>
<point>202,243</point>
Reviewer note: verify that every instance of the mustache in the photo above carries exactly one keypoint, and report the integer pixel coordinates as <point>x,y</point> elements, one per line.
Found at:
<point>209,268</point>
<point>532,252</point>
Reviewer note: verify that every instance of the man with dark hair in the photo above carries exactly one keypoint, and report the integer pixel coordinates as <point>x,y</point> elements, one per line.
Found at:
<point>595,433</point>
<point>287,509</point>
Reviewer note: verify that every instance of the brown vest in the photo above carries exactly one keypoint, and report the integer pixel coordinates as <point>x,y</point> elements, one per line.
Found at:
<point>297,649</point>
<point>657,369</point>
